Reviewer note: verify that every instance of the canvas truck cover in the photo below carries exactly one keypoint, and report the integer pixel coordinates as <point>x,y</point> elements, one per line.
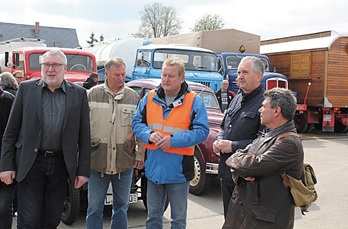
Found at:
<point>224,40</point>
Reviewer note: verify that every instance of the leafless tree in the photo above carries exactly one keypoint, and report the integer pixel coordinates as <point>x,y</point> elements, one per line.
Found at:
<point>208,22</point>
<point>159,21</point>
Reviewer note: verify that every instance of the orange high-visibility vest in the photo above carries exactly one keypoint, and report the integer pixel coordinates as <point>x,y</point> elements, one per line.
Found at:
<point>178,119</point>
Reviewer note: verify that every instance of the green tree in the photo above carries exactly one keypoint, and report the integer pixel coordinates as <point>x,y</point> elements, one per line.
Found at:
<point>159,21</point>
<point>92,39</point>
<point>208,22</point>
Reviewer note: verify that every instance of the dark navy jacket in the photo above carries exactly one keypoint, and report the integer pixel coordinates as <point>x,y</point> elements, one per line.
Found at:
<point>241,125</point>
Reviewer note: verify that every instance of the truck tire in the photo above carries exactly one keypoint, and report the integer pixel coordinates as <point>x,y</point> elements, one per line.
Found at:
<point>300,121</point>
<point>201,181</point>
<point>339,127</point>
<point>71,205</point>
<point>143,183</point>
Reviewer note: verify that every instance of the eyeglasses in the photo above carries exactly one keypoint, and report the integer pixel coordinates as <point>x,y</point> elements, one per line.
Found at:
<point>55,65</point>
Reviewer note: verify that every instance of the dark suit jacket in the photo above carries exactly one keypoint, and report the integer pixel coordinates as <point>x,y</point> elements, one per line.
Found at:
<point>22,137</point>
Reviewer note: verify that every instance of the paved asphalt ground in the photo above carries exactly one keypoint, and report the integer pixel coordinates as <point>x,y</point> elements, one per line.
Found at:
<point>327,154</point>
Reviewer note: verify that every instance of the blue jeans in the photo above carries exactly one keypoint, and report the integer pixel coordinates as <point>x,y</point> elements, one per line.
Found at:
<point>41,194</point>
<point>98,184</point>
<point>156,198</point>
<point>6,197</point>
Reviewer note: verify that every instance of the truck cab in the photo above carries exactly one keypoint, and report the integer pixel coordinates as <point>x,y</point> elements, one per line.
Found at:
<point>80,62</point>
<point>228,68</point>
<point>200,64</point>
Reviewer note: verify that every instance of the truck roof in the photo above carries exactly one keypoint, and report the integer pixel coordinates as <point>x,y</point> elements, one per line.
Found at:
<point>315,43</point>
<point>175,46</point>
<point>44,49</point>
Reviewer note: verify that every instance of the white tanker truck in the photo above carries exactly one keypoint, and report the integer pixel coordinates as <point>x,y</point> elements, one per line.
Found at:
<point>126,48</point>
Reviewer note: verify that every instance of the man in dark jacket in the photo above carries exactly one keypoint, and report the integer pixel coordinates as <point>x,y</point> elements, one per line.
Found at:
<point>91,81</point>
<point>241,123</point>
<point>224,96</point>
<point>6,191</point>
<point>260,199</point>
<point>46,141</point>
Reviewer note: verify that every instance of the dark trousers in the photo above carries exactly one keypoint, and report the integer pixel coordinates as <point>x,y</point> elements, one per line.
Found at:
<point>6,197</point>
<point>41,194</point>
<point>226,193</point>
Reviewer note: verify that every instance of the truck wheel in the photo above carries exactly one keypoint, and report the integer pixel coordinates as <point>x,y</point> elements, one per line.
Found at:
<point>71,205</point>
<point>144,193</point>
<point>301,123</point>
<point>310,127</point>
<point>339,127</point>
<point>201,181</point>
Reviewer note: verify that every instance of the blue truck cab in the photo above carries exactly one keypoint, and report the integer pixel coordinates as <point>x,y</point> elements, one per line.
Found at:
<point>228,68</point>
<point>200,64</point>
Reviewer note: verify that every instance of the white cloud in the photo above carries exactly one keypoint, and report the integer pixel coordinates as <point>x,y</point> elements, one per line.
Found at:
<point>268,18</point>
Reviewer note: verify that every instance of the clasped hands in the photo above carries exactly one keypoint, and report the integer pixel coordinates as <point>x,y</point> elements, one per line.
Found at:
<point>163,142</point>
<point>222,146</point>
<point>225,146</point>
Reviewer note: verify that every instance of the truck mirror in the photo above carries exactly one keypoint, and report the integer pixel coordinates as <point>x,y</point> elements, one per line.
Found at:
<point>9,64</point>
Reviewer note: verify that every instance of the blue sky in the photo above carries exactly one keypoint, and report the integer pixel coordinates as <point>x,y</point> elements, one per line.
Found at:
<point>115,18</point>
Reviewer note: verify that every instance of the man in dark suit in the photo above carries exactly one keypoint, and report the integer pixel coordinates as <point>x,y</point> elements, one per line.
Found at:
<point>47,140</point>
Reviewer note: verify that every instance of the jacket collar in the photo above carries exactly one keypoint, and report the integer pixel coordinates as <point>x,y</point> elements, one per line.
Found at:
<point>287,127</point>
<point>118,95</point>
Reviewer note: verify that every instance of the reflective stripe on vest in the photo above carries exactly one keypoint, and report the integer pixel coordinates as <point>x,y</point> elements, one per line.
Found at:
<point>179,119</point>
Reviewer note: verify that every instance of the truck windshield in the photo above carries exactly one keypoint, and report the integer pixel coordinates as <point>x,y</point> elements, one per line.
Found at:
<point>79,63</point>
<point>193,60</point>
<point>234,60</point>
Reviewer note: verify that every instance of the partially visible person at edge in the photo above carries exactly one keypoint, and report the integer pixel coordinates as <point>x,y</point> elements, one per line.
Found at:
<point>46,141</point>
<point>8,83</point>
<point>224,96</point>
<point>91,81</point>
<point>171,119</point>
<point>260,199</point>
<point>6,191</point>
<point>19,76</point>
<point>115,150</point>
<point>241,123</point>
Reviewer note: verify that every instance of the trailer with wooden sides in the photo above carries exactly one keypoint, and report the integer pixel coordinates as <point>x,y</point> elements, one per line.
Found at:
<point>317,69</point>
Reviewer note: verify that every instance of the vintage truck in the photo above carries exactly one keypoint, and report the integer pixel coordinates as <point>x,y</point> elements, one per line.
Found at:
<point>6,47</point>
<point>125,47</point>
<point>144,60</point>
<point>200,64</point>
<point>27,59</point>
<point>317,66</point>
<point>231,46</point>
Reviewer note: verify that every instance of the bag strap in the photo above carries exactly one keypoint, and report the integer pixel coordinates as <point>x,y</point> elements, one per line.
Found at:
<point>283,175</point>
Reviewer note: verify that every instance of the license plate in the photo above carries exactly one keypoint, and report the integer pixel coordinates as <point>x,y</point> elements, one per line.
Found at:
<point>327,118</point>
<point>133,198</point>
<point>108,199</point>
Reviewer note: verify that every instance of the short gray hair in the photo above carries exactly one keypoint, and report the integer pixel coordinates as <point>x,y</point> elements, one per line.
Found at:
<point>116,61</point>
<point>257,65</point>
<point>56,52</point>
<point>283,98</point>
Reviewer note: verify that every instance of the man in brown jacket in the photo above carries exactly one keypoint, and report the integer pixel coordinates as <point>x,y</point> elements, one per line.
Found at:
<point>260,199</point>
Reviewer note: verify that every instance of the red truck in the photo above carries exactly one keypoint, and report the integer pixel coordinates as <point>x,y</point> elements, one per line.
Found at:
<point>27,59</point>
